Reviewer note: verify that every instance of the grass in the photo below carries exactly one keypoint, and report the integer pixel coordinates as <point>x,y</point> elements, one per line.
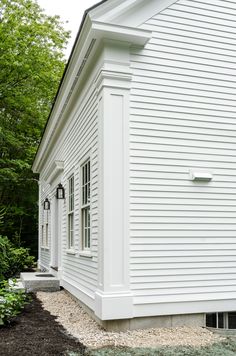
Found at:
<point>225,348</point>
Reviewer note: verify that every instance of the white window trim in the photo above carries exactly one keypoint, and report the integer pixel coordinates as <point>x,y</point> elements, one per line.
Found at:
<point>85,252</point>
<point>71,251</point>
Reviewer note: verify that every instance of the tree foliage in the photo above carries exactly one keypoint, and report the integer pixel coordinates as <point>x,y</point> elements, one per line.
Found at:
<point>31,62</point>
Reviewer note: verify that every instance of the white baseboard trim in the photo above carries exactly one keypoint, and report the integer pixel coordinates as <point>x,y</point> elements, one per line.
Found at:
<point>78,292</point>
<point>114,305</point>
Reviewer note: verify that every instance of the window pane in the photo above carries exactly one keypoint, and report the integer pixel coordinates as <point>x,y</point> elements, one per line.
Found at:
<point>69,226</point>
<point>232,320</point>
<point>83,228</point>
<point>71,230</point>
<point>220,320</point>
<point>46,242</point>
<point>71,193</point>
<point>85,200</point>
<point>88,192</point>
<point>72,185</point>
<point>211,320</point>
<point>72,221</point>
<point>72,202</point>
<point>88,217</point>
<point>71,238</point>
<point>88,237</point>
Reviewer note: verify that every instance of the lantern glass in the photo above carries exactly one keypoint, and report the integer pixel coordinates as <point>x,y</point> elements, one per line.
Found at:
<point>46,204</point>
<point>60,192</point>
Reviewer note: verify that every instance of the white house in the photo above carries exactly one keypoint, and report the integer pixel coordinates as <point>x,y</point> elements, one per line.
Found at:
<point>142,138</point>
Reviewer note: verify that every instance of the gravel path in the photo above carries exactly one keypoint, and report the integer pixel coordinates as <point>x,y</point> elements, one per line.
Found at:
<point>79,324</point>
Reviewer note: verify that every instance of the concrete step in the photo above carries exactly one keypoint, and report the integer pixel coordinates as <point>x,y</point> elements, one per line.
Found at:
<point>38,281</point>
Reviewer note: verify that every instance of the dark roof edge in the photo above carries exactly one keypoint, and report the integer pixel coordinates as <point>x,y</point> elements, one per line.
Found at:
<point>65,70</point>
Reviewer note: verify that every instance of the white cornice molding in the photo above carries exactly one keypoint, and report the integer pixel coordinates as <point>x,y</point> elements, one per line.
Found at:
<point>110,79</point>
<point>94,32</point>
<point>132,35</point>
<point>54,170</point>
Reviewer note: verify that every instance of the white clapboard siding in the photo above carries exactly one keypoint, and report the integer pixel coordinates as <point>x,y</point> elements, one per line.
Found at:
<point>45,217</point>
<point>183,105</point>
<point>81,139</point>
<point>47,191</point>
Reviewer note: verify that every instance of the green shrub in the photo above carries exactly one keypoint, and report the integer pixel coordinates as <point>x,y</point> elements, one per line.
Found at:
<point>13,260</point>
<point>11,302</point>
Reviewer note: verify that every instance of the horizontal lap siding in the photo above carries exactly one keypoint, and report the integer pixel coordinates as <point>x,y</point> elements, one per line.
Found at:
<point>44,217</point>
<point>81,139</point>
<point>45,258</point>
<point>47,191</point>
<point>183,105</point>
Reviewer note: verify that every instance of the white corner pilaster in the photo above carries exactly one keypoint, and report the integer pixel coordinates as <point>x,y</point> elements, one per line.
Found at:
<point>113,299</point>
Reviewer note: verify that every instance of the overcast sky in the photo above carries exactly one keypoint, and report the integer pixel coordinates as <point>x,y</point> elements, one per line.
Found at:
<point>70,11</point>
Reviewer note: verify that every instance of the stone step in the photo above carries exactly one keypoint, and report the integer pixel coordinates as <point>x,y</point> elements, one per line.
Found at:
<point>39,281</point>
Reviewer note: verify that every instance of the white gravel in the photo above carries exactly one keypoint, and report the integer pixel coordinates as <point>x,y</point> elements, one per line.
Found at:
<point>79,324</point>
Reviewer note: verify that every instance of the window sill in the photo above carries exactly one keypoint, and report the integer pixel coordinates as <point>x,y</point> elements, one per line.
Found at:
<point>86,254</point>
<point>71,252</point>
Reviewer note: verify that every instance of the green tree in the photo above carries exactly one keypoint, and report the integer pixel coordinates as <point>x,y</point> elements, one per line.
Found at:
<point>31,65</point>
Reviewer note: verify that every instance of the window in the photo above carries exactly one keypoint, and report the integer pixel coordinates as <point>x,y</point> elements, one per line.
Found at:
<point>71,213</point>
<point>221,320</point>
<point>46,235</point>
<point>85,205</point>
<point>42,236</point>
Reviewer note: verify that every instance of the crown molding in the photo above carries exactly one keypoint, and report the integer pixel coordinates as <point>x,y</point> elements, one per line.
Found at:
<point>93,32</point>
<point>54,170</point>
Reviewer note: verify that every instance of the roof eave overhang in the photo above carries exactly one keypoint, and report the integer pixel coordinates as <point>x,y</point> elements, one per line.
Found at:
<point>91,30</point>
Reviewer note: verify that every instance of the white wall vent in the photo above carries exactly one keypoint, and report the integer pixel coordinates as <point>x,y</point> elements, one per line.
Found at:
<point>200,175</point>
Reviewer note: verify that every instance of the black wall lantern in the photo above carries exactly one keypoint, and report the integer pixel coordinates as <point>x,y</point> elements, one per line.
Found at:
<point>60,192</point>
<point>46,204</point>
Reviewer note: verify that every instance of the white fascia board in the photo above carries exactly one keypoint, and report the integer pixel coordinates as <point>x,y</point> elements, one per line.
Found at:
<point>106,11</point>
<point>121,33</point>
<point>91,31</point>
<point>129,12</point>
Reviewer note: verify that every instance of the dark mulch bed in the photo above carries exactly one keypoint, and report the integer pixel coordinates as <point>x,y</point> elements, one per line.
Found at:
<point>35,332</point>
